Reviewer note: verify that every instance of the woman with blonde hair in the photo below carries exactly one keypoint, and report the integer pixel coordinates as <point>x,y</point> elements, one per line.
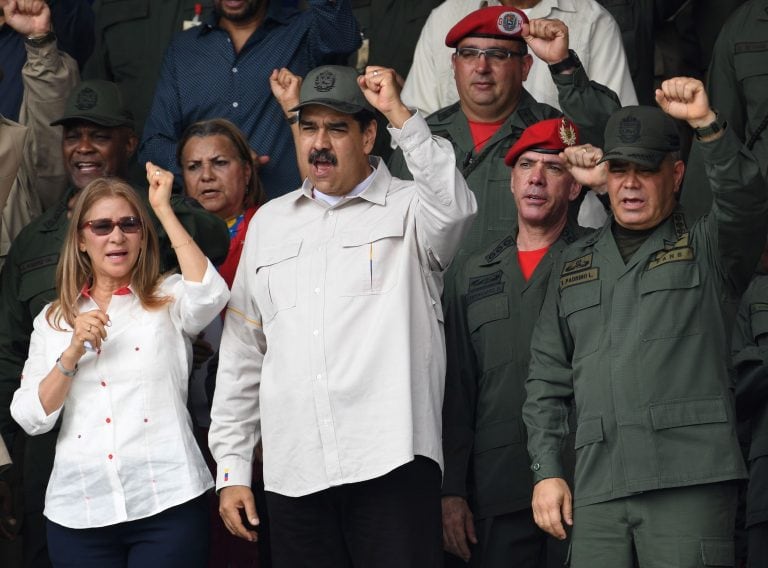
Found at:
<point>111,357</point>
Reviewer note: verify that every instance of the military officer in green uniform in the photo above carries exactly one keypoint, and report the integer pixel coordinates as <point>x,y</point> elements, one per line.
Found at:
<point>490,64</point>
<point>636,328</point>
<point>492,303</point>
<point>750,349</point>
<point>98,141</point>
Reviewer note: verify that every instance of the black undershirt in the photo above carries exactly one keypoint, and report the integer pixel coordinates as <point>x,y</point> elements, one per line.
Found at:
<point>628,241</point>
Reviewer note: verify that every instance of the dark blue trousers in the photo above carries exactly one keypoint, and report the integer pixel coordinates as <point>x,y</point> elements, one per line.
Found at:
<point>176,537</point>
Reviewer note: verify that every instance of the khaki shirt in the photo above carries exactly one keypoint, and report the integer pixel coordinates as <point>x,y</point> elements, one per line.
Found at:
<point>333,349</point>
<point>32,173</point>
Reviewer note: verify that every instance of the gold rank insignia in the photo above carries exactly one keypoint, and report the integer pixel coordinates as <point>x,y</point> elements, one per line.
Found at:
<point>567,132</point>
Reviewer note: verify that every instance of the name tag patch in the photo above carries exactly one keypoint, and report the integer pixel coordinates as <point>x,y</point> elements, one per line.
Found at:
<point>579,277</point>
<point>673,255</point>
<point>484,286</point>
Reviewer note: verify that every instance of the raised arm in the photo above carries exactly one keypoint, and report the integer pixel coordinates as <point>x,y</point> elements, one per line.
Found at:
<point>192,261</point>
<point>446,205</point>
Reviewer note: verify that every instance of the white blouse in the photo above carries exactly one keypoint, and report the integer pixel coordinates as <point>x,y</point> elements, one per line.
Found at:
<point>125,450</point>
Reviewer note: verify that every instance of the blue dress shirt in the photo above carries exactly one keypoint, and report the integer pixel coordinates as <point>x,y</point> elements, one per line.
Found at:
<point>202,77</point>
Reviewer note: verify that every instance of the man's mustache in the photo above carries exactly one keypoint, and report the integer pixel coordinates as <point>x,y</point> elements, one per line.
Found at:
<point>322,156</point>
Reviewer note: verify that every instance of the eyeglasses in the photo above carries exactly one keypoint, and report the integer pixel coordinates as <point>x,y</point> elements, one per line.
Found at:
<point>102,227</point>
<point>493,54</point>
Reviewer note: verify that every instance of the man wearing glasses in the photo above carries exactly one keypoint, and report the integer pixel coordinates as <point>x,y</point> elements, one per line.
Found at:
<point>490,63</point>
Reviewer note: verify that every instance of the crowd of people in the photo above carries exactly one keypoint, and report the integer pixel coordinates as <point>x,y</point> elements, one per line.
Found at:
<point>336,283</point>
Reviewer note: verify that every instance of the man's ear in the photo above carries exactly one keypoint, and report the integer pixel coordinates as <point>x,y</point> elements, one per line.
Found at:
<point>131,143</point>
<point>369,136</point>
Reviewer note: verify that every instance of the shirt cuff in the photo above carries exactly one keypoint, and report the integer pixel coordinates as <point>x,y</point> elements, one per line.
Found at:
<point>232,471</point>
<point>547,466</point>
<point>414,132</point>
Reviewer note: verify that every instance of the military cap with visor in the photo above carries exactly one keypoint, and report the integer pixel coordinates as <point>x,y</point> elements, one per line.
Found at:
<point>99,102</point>
<point>333,86</point>
<point>643,135</point>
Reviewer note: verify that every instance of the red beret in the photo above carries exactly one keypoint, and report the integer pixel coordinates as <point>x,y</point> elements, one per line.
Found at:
<point>548,136</point>
<point>496,21</point>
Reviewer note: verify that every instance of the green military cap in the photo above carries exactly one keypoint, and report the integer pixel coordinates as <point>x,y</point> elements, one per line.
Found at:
<point>335,87</point>
<point>99,102</point>
<point>643,135</point>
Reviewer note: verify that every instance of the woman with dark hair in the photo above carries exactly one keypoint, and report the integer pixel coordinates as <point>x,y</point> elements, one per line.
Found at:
<point>113,350</point>
<point>219,172</point>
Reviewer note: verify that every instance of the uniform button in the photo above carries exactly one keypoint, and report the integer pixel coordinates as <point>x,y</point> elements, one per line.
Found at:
<point>103,383</point>
<point>330,213</point>
<point>319,377</point>
<point>536,467</point>
<point>317,290</point>
<point>234,70</point>
<point>109,420</point>
<point>235,104</point>
<point>110,456</point>
<point>315,333</point>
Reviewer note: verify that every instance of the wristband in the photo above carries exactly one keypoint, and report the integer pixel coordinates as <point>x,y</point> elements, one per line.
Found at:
<point>711,129</point>
<point>570,62</point>
<point>42,40</point>
<point>64,371</point>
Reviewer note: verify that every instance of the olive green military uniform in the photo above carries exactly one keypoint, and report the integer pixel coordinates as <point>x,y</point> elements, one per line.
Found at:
<point>750,348</point>
<point>490,312</point>
<point>27,284</point>
<point>737,85</point>
<point>587,103</point>
<point>644,349</point>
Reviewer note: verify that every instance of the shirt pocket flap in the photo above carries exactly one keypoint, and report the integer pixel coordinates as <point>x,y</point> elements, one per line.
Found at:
<point>718,552</point>
<point>589,431</point>
<point>752,62</point>
<point>116,11</point>
<point>579,297</point>
<point>688,413</point>
<point>498,435</point>
<point>487,310</point>
<point>673,276</point>
<point>391,227</point>
<point>276,254</point>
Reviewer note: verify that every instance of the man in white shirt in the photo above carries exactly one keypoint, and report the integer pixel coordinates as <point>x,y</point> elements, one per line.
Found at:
<point>332,352</point>
<point>593,34</point>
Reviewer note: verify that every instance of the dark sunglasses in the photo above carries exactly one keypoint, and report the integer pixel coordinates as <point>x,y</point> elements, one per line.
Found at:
<point>103,227</point>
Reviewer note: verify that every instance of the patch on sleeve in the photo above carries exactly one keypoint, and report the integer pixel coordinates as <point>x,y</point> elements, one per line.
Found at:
<point>484,286</point>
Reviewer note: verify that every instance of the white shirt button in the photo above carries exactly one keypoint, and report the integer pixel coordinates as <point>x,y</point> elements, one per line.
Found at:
<point>234,70</point>
<point>316,333</point>
<point>235,104</point>
<point>317,290</point>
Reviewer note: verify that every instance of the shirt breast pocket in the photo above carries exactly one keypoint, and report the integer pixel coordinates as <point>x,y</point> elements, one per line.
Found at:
<point>751,69</point>
<point>369,260</point>
<point>580,307</point>
<point>670,301</point>
<point>485,321</point>
<point>276,278</point>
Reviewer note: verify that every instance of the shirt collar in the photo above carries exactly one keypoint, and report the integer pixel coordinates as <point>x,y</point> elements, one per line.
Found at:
<point>373,188</point>
<point>85,291</point>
